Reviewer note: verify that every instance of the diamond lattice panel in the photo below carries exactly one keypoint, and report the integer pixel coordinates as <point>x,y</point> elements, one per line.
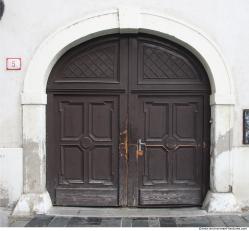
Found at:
<point>159,63</point>
<point>96,63</point>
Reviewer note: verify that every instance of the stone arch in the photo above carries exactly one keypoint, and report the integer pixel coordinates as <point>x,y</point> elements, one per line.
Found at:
<point>125,20</point>
<point>132,21</point>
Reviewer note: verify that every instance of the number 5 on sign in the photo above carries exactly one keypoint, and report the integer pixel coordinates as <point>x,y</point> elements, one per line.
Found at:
<point>13,63</point>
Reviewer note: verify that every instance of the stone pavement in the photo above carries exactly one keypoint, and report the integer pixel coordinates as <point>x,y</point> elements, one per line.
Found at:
<point>238,220</point>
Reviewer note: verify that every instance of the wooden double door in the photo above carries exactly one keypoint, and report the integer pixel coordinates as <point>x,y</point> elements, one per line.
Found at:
<point>128,125</point>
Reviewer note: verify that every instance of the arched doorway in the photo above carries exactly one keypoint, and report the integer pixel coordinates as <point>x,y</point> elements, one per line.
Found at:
<point>128,124</point>
<point>35,198</point>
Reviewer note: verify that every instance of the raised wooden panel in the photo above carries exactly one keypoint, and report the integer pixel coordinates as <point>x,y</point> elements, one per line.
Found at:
<point>93,65</point>
<point>162,63</point>
<point>96,63</point>
<point>170,197</point>
<point>155,166</point>
<point>101,165</point>
<point>72,156</point>
<point>185,166</point>
<point>157,118</point>
<point>100,120</point>
<point>185,120</point>
<point>87,197</point>
<point>71,120</point>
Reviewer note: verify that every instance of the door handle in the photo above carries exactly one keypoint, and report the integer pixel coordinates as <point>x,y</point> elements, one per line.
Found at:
<point>140,151</point>
<point>140,144</point>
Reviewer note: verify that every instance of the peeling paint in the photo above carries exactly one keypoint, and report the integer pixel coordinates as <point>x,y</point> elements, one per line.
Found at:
<point>223,142</point>
<point>33,166</point>
<point>212,180</point>
<point>222,174</point>
<point>220,163</point>
<point>32,203</point>
<point>221,202</point>
<point>4,196</point>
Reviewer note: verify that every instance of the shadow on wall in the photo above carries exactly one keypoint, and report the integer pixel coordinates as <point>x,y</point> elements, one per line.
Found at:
<point>1,8</point>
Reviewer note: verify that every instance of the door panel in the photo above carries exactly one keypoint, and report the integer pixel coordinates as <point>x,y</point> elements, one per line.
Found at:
<point>185,173</point>
<point>169,197</point>
<point>87,127</point>
<point>157,120</point>
<point>164,66</point>
<point>71,156</point>
<point>99,64</point>
<point>155,166</point>
<point>171,161</point>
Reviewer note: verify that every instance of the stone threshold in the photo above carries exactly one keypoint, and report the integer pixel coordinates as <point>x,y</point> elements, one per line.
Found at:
<point>130,212</point>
